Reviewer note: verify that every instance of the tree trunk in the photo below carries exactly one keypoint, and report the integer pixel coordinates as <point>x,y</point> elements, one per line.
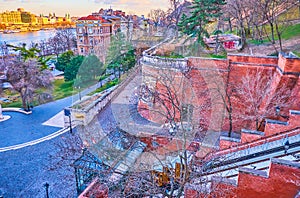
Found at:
<point>272,33</point>
<point>230,122</point>
<point>230,25</point>
<point>24,100</point>
<point>279,36</point>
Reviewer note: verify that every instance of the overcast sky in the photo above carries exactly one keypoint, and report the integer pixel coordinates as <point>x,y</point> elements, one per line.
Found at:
<point>82,7</point>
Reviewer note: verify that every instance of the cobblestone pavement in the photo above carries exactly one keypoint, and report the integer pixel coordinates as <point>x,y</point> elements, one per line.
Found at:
<point>23,172</point>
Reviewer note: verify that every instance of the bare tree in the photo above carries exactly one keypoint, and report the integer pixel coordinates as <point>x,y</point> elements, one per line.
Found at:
<point>176,10</point>
<point>271,11</point>
<point>157,15</point>
<point>235,9</point>
<point>56,45</point>
<point>222,93</point>
<point>26,77</point>
<point>67,37</point>
<point>259,98</point>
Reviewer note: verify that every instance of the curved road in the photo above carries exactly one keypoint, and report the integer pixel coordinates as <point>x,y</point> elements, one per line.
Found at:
<point>25,170</point>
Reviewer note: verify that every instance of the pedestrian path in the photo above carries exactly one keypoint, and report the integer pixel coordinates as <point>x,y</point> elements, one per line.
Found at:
<point>43,122</point>
<point>56,121</point>
<point>31,143</point>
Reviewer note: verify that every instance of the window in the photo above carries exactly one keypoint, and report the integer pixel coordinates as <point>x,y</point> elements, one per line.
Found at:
<point>81,50</point>
<point>80,30</point>
<point>80,39</point>
<point>90,30</point>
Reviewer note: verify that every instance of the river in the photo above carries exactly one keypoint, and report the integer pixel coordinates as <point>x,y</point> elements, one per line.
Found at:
<point>26,37</point>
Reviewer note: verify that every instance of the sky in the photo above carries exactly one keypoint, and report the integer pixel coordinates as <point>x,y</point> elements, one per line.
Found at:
<point>83,7</point>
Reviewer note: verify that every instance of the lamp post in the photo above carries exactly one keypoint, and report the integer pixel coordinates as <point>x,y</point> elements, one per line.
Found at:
<point>277,109</point>
<point>46,185</point>
<point>79,93</point>
<point>67,112</point>
<point>286,146</point>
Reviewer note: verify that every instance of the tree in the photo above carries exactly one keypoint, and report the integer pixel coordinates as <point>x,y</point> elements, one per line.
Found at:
<point>157,15</point>
<point>72,67</point>
<point>63,60</point>
<point>270,11</point>
<point>176,10</point>
<point>129,60</point>
<point>118,47</point>
<point>26,77</point>
<point>90,69</point>
<point>202,13</point>
<point>31,53</point>
<point>67,37</point>
<point>56,45</point>
<point>222,93</point>
<point>170,99</point>
<point>24,52</point>
<point>259,99</point>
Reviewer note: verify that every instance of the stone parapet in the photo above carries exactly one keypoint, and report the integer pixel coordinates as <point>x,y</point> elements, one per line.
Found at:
<point>84,115</point>
<point>160,62</point>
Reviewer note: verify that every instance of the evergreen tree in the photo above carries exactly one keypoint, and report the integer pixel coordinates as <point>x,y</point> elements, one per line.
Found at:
<point>73,67</point>
<point>63,60</point>
<point>116,51</point>
<point>89,70</point>
<point>202,13</point>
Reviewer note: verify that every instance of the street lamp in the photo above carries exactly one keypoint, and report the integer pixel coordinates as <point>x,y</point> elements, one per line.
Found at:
<point>286,146</point>
<point>79,93</point>
<point>67,112</point>
<point>46,185</point>
<point>277,108</point>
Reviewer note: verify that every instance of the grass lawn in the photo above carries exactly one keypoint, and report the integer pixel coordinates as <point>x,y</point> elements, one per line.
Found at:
<point>297,53</point>
<point>288,33</point>
<point>291,31</point>
<point>106,86</point>
<point>62,89</point>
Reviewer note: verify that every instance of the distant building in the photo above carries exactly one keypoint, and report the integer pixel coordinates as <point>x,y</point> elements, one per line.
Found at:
<point>10,17</point>
<point>94,31</point>
<point>22,19</point>
<point>27,17</point>
<point>93,36</point>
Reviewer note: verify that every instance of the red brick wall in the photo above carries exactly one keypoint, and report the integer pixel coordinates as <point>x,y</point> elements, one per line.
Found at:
<point>226,144</point>
<point>289,64</point>
<point>283,181</point>
<point>247,137</point>
<point>253,59</point>
<point>204,71</point>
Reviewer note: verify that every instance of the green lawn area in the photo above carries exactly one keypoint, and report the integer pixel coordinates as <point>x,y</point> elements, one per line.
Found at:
<point>288,33</point>
<point>106,86</point>
<point>291,31</point>
<point>62,89</point>
<point>297,53</point>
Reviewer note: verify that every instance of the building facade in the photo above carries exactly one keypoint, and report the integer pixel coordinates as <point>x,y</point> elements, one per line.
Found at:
<point>94,31</point>
<point>93,36</point>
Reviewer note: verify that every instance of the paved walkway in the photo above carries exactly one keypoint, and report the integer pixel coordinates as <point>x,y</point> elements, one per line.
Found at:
<point>33,151</point>
<point>44,120</point>
<point>22,128</point>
